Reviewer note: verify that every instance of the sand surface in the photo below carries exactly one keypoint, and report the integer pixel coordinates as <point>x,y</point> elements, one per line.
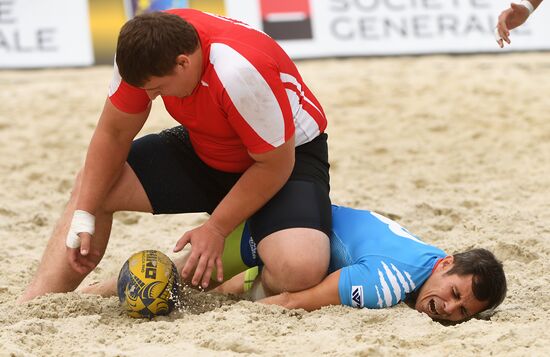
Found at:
<point>456,149</point>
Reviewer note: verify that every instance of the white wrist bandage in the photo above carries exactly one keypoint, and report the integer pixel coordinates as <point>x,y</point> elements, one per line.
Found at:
<point>528,5</point>
<point>82,222</point>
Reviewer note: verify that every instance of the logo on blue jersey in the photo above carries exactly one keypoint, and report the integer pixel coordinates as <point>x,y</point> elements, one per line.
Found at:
<point>357,296</point>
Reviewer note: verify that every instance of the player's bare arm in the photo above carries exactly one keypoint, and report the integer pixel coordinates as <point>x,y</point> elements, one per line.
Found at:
<point>106,155</point>
<point>324,294</point>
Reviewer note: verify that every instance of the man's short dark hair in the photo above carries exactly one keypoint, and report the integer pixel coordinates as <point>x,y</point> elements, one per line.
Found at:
<point>489,281</point>
<point>149,44</point>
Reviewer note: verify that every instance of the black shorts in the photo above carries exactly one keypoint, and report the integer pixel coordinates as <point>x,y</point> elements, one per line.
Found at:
<point>176,180</point>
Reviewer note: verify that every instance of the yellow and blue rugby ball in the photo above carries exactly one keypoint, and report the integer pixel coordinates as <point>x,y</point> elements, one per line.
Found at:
<point>148,284</point>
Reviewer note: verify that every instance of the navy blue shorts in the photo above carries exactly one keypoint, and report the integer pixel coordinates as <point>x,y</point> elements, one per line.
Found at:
<point>176,180</point>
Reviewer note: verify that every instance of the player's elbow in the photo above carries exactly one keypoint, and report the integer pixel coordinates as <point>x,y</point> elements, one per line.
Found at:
<point>289,301</point>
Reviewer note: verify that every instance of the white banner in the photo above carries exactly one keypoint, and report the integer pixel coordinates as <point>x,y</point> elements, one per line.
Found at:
<point>388,27</point>
<point>44,33</point>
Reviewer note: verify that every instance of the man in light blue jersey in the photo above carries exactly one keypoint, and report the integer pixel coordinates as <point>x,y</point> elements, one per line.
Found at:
<point>375,263</point>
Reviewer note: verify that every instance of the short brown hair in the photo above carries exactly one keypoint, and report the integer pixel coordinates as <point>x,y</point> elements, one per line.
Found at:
<point>489,281</point>
<point>149,44</point>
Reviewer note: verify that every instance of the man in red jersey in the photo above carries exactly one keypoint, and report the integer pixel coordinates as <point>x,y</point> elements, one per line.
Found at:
<point>251,144</point>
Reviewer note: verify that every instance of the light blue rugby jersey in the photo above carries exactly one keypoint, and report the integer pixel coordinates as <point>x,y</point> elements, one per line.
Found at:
<point>380,260</point>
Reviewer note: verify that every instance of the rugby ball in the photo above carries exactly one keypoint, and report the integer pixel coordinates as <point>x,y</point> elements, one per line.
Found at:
<point>148,284</point>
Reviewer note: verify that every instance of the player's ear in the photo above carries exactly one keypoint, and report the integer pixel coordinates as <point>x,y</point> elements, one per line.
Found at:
<point>447,262</point>
<point>183,61</point>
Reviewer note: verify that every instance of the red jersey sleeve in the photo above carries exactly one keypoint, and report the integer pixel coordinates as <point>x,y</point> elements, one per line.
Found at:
<point>125,97</point>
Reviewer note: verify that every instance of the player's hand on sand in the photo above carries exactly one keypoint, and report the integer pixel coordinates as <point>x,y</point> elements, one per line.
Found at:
<point>509,19</point>
<point>83,259</point>
<point>206,253</point>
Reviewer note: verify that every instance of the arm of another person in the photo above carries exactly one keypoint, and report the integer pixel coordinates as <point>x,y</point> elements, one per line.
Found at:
<point>107,152</point>
<point>259,183</point>
<point>324,294</point>
<point>511,18</point>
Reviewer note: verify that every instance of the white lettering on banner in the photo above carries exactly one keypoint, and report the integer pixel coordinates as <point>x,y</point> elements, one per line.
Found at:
<point>37,33</point>
<point>387,27</point>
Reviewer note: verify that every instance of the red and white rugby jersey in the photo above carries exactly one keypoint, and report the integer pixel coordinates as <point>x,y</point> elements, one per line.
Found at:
<point>251,97</point>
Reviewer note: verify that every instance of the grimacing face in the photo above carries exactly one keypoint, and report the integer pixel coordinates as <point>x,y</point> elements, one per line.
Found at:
<point>448,296</point>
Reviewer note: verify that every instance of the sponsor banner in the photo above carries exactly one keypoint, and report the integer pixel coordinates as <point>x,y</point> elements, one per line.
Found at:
<point>286,20</point>
<point>323,28</point>
<point>39,33</point>
<point>108,16</point>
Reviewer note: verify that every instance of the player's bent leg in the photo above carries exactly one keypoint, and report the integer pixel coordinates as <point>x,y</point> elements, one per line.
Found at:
<point>294,259</point>
<point>292,236</point>
<point>54,274</point>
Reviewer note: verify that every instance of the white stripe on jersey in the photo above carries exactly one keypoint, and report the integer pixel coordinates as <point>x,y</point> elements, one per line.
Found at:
<point>115,81</point>
<point>385,289</point>
<point>411,282</point>
<point>379,303</point>
<point>250,93</point>
<point>401,279</point>
<point>393,281</point>
<point>285,77</point>
<point>306,127</point>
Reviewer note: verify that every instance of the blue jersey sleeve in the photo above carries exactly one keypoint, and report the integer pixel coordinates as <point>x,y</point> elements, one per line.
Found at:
<point>356,287</point>
<point>377,283</point>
